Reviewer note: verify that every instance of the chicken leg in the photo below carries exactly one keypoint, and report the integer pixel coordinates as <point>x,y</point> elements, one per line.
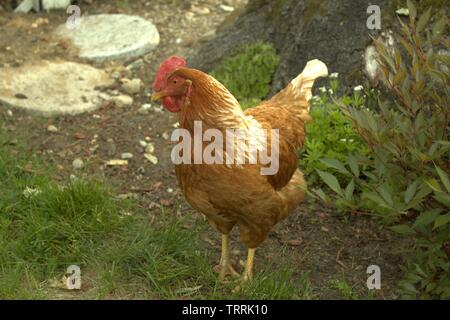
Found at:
<point>225,268</point>
<point>248,272</point>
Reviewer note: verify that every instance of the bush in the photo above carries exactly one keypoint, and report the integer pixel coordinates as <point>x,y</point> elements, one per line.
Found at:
<point>330,135</point>
<point>404,179</point>
<point>248,73</point>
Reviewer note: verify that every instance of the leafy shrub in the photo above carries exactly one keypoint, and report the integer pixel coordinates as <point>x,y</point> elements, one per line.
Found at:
<point>405,176</point>
<point>248,73</point>
<point>331,135</point>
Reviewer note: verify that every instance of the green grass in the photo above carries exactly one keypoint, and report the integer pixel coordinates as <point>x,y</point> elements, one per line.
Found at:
<point>121,256</point>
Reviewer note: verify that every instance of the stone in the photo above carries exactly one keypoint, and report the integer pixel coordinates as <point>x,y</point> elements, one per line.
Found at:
<point>150,148</point>
<point>77,164</point>
<point>144,108</point>
<point>104,96</point>
<point>226,8</point>
<point>106,37</point>
<point>152,158</point>
<point>52,88</point>
<point>201,10</point>
<point>116,162</point>
<point>52,128</point>
<point>123,101</point>
<point>126,155</point>
<point>132,86</point>
<point>26,5</point>
<point>189,15</point>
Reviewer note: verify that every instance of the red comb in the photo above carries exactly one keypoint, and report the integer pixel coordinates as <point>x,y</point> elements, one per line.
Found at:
<point>167,66</point>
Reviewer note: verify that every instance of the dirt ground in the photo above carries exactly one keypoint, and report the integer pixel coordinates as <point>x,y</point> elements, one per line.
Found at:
<point>326,245</point>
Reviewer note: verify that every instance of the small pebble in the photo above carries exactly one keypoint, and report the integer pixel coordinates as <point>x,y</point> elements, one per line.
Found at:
<point>77,164</point>
<point>142,143</point>
<point>145,108</point>
<point>127,155</point>
<point>123,101</point>
<point>52,128</point>
<point>150,148</point>
<point>226,8</point>
<point>150,157</point>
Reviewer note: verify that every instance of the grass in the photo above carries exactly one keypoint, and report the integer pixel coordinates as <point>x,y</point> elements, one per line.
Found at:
<point>122,253</point>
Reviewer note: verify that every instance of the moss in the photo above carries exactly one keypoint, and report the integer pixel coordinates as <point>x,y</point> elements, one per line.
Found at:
<point>248,72</point>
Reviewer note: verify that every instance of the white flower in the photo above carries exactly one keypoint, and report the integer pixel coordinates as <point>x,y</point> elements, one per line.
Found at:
<point>358,88</point>
<point>343,140</point>
<point>31,192</point>
<point>334,75</point>
<point>323,89</point>
<point>330,91</point>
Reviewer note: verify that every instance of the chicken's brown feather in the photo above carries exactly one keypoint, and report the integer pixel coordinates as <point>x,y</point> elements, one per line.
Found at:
<point>240,195</point>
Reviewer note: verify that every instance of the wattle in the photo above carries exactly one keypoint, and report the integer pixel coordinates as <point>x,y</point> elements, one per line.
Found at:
<point>171,104</point>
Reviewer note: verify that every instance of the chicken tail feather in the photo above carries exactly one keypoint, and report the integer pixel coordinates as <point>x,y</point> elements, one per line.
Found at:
<point>303,83</point>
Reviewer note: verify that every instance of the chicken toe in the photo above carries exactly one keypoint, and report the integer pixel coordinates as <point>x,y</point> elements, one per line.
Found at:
<point>225,267</point>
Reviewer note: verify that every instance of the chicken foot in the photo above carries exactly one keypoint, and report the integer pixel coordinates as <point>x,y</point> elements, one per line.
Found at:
<point>248,272</point>
<point>225,268</point>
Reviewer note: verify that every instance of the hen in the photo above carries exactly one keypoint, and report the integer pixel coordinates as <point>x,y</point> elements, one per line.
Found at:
<point>239,194</point>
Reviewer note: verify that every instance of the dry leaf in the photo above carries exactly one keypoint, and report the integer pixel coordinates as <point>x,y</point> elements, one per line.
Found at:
<point>294,242</point>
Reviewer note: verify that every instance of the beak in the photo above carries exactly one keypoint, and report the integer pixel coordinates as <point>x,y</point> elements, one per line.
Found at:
<point>158,95</point>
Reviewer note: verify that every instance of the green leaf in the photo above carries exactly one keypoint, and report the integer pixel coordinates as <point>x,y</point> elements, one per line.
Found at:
<point>419,197</point>
<point>403,229</point>
<point>427,217</point>
<point>434,184</point>
<point>441,220</point>
<point>331,181</point>
<point>321,194</point>
<point>442,198</point>
<point>336,164</point>
<point>353,165</point>
<point>438,29</point>
<point>423,20</point>
<point>412,10</point>
<point>409,287</point>
<point>444,178</point>
<point>377,199</point>
<point>349,190</point>
<point>410,192</point>
<point>386,196</point>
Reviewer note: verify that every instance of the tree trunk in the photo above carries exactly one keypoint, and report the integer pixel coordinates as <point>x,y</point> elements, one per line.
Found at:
<point>334,31</point>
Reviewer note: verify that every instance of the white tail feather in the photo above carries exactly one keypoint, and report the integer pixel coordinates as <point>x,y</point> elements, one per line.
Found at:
<point>303,83</point>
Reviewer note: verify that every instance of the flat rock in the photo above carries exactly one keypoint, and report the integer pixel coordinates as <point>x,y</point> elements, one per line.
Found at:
<point>107,37</point>
<point>51,88</point>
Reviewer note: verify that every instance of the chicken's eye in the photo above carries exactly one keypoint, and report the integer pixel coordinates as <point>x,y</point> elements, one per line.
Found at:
<point>174,81</point>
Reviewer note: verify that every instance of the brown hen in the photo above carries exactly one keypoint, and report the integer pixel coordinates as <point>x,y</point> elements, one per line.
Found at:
<point>233,194</point>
